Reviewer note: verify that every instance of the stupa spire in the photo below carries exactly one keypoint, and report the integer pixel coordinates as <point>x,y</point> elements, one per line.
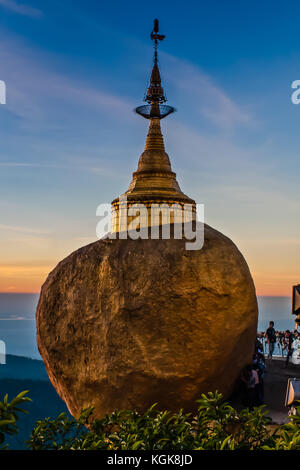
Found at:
<point>155,92</point>
<point>155,96</point>
<point>155,110</point>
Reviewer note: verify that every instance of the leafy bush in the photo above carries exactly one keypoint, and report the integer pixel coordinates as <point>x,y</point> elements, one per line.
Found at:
<point>9,416</point>
<point>216,426</point>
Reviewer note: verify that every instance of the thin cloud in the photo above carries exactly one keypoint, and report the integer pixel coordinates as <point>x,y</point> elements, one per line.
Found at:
<point>35,93</point>
<point>203,96</point>
<point>21,8</point>
<point>12,228</point>
<point>18,164</point>
<point>74,165</point>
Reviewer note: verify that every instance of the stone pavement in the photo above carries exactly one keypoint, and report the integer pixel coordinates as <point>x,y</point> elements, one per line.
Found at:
<point>275,383</point>
<point>276,378</point>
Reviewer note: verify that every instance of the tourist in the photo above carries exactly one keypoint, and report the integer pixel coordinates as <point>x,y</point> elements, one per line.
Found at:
<point>250,381</point>
<point>259,366</point>
<point>271,338</point>
<point>259,349</point>
<point>296,350</point>
<point>281,342</point>
<point>288,345</point>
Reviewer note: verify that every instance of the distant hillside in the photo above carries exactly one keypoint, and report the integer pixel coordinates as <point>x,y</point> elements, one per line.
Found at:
<point>17,367</point>
<point>21,373</point>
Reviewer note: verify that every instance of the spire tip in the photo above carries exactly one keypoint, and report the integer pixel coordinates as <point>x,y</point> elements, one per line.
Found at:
<point>154,34</point>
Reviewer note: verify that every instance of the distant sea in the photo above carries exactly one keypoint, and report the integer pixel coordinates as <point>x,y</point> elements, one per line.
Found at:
<point>18,330</point>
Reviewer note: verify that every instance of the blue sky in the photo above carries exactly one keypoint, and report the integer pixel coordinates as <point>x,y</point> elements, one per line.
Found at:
<point>74,71</point>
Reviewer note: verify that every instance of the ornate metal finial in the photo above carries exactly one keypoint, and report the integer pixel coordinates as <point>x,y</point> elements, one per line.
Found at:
<point>155,93</point>
<point>156,37</point>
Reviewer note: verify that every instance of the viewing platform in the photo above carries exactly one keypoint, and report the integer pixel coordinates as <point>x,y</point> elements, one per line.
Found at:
<point>275,384</point>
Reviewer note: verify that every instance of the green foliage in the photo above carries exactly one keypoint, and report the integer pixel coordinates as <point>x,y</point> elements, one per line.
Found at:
<point>288,437</point>
<point>62,433</point>
<point>9,416</point>
<point>216,426</point>
<point>45,403</point>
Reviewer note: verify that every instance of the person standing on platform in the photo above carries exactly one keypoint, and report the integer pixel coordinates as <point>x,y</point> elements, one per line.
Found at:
<point>289,339</point>
<point>271,338</point>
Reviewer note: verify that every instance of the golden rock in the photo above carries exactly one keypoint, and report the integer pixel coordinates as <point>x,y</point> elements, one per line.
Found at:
<point>123,324</point>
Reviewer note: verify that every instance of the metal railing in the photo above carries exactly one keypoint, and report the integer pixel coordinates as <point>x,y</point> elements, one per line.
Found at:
<point>278,348</point>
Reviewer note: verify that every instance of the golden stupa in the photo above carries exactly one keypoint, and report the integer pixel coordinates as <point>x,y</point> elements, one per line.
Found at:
<point>154,184</point>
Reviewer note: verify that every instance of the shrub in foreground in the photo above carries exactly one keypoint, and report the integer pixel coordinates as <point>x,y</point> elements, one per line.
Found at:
<point>216,426</point>
<point>9,416</point>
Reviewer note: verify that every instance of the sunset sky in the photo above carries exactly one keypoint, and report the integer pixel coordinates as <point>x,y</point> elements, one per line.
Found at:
<point>74,71</point>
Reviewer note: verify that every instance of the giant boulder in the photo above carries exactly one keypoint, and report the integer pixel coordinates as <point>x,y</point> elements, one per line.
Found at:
<point>122,324</point>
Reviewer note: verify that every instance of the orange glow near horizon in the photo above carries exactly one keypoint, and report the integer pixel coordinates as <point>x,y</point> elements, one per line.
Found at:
<point>23,278</point>
<point>26,279</point>
<point>26,263</point>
